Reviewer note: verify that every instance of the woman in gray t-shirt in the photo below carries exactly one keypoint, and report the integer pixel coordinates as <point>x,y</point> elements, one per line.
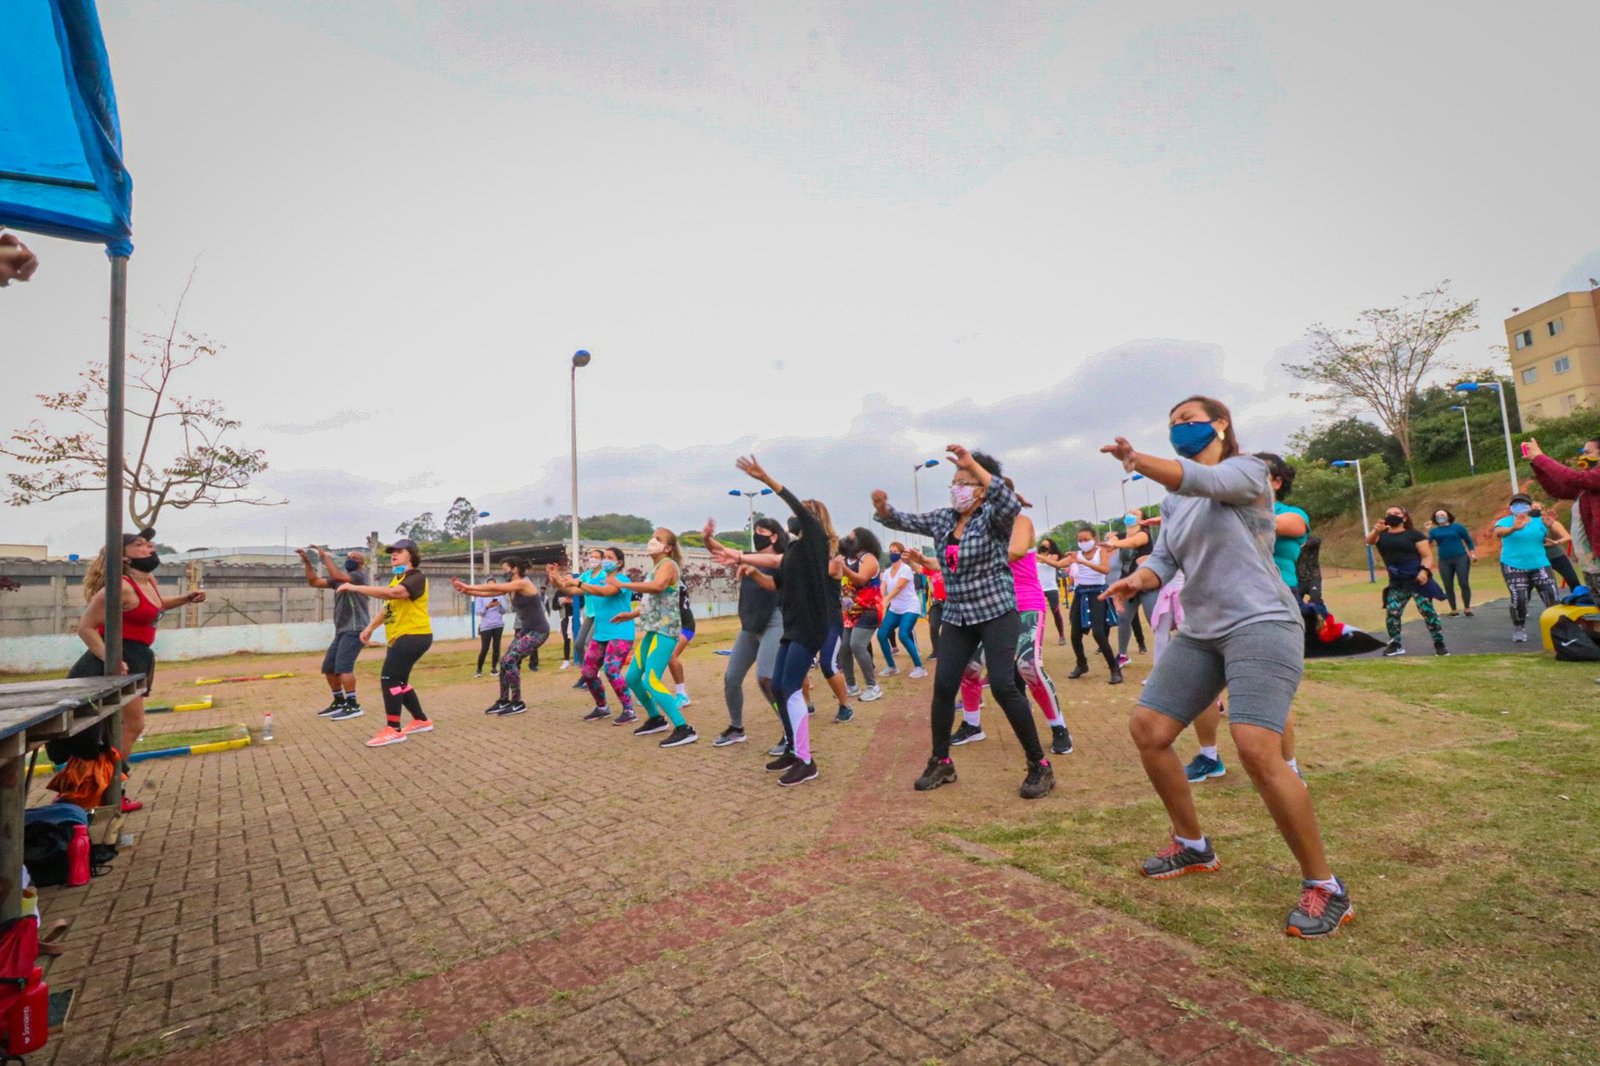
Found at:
<point>1241,630</point>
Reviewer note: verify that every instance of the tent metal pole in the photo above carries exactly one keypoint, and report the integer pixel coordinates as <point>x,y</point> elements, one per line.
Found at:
<point>116,367</point>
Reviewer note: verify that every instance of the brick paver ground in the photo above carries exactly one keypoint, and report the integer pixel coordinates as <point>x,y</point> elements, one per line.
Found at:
<point>541,890</point>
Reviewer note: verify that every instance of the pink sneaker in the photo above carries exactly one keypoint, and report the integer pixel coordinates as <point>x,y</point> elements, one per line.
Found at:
<point>413,726</point>
<point>385,737</point>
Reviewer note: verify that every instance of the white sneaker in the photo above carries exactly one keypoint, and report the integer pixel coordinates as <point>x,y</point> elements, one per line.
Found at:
<point>565,665</point>
<point>888,671</point>
<point>1519,635</point>
<point>870,693</point>
<point>478,674</point>
<point>852,691</point>
<point>683,699</point>
<point>917,671</point>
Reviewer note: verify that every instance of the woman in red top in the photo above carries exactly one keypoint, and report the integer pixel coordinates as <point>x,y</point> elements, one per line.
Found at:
<point>936,596</point>
<point>142,605</point>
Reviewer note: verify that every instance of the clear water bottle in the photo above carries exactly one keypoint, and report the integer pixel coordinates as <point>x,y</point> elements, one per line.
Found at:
<point>266,727</point>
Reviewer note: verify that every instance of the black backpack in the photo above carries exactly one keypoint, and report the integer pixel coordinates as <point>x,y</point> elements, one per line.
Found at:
<point>44,851</point>
<point>1573,643</point>
<point>89,744</point>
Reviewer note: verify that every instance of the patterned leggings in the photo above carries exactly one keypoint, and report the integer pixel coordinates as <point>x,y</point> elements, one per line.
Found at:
<point>613,656</point>
<point>526,644</point>
<point>1394,604</point>
<point>1030,671</point>
<point>1520,583</point>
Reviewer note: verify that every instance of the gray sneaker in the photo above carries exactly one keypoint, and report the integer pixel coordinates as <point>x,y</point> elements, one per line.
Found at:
<point>1177,859</point>
<point>939,772</point>
<point>1040,780</point>
<point>1519,635</point>
<point>778,749</point>
<point>1320,913</point>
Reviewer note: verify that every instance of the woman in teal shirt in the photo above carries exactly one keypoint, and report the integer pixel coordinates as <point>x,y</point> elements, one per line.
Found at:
<point>1523,562</point>
<point>1455,551</point>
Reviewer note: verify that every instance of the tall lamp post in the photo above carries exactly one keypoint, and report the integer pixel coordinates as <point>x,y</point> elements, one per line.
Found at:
<point>1472,467</point>
<point>1505,422</point>
<point>1361,490</point>
<point>750,525</point>
<point>579,358</point>
<point>1141,477</point>
<point>472,553</point>
<point>916,481</point>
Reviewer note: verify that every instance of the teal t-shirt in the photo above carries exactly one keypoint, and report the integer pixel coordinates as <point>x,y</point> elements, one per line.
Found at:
<point>604,608</point>
<point>1286,550</point>
<point>1524,549</point>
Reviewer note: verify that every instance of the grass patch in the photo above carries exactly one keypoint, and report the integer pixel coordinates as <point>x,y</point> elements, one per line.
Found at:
<point>1472,866</point>
<point>188,738</point>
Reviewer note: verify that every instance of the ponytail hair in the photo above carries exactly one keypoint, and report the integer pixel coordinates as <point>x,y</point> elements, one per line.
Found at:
<point>94,578</point>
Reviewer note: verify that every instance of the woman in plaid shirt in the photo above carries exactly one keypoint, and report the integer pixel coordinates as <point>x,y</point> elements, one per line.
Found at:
<point>971,537</point>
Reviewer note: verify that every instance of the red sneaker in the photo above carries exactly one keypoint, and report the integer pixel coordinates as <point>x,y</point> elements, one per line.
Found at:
<point>129,806</point>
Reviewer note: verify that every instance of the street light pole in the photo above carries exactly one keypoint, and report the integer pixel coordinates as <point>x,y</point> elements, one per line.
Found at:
<point>750,523</point>
<point>916,481</point>
<point>1361,491</point>
<point>472,564</point>
<point>579,358</point>
<point>1472,467</point>
<point>1505,422</point>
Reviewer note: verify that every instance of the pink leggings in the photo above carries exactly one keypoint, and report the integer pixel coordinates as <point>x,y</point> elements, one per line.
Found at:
<point>1030,668</point>
<point>613,656</point>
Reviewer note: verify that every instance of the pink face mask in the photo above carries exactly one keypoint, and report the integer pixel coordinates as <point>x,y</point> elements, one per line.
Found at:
<point>962,497</point>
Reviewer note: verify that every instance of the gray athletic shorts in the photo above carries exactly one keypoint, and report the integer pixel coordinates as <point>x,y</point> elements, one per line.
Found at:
<point>1260,665</point>
<point>342,653</point>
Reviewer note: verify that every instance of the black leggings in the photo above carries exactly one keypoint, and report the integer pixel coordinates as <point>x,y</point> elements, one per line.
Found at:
<point>998,636</point>
<point>935,618</point>
<point>566,637</point>
<point>396,679</point>
<point>1452,570</point>
<point>1053,598</point>
<point>1562,565</point>
<point>485,637</point>
<point>1088,597</point>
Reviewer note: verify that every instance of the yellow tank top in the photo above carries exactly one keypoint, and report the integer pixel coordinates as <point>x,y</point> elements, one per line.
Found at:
<point>404,618</point>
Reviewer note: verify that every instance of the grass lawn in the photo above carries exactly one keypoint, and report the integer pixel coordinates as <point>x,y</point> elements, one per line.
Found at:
<point>188,737</point>
<point>1472,864</point>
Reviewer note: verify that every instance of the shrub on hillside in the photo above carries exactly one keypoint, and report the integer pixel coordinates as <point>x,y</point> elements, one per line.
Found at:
<point>1323,491</point>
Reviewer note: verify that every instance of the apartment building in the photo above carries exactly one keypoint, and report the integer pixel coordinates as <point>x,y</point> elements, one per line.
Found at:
<point>1555,355</point>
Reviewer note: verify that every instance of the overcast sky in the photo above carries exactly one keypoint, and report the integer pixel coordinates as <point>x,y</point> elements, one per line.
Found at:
<point>837,234</point>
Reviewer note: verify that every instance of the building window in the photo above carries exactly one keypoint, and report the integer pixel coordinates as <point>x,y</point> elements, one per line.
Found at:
<point>1570,402</point>
<point>1524,339</point>
<point>1563,364</point>
<point>1555,326</point>
<point>1530,375</point>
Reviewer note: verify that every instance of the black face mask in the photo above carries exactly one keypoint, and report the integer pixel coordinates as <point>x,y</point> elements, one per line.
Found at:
<point>1536,512</point>
<point>848,546</point>
<point>1394,521</point>
<point>145,565</point>
<point>352,565</point>
<point>794,526</point>
<point>763,543</point>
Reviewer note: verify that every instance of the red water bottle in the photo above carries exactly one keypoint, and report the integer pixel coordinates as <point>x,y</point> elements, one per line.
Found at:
<point>30,1019</point>
<point>78,856</point>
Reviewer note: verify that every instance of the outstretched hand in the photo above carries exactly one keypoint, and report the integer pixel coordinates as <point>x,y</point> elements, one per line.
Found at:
<point>1123,452</point>
<point>1120,592</point>
<point>748,464</point>
<point>457,584</point>
<point>960,455</point>
<point>708,532</point>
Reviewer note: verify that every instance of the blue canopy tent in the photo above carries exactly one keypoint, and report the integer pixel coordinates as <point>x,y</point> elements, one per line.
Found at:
<point>61,174</point>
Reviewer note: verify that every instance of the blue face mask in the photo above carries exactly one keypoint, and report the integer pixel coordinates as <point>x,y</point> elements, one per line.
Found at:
<point>608,565</point>
<point>894,557</point>
<point>1521,508</point>
<point>1189,439</point>
<point>398,569</point>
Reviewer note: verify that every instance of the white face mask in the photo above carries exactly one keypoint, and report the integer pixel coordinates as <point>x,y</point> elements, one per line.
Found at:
<point>655,547</point>
<point>1086,545</point>
<point>962,497</point>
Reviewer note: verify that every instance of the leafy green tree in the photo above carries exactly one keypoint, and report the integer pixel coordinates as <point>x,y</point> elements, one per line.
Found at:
<point>1326,492</point>
<point>1380,364</point>
<point>1346,438</point>
<point>422,529</point>
<point>459,521</point>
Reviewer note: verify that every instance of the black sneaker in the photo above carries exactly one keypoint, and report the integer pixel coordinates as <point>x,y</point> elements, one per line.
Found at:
<point>1040,780</point>
<point>1177,859</point>
<point>652,725</point>
<point>580,683</point>
<point>1440,650</point>
<point>1077,672</point>
<point>844,715</point>
<point>782,762</point>
<point>728,736</point>
<point>514,707</point>
<point>1320,913</point>
<point>599,714</point>
<point>495,707</point>
<point>939,772</point>
<point>1060,740</point>
<point>799,773</point>
<point>1394,648</point>
<point>681,735</point>
<point>347,712</point>
<point>966,734</point>
<point>627,717</point>
<point>331,709</point>
<point>1116,677</point>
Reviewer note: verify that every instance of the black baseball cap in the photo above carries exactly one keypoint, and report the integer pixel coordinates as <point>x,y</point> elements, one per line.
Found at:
<point>147,533</point>
<point>1522,497</point>
<point>404,542</point>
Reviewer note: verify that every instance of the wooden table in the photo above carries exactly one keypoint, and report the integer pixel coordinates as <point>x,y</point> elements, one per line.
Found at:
<point>31,713</point>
